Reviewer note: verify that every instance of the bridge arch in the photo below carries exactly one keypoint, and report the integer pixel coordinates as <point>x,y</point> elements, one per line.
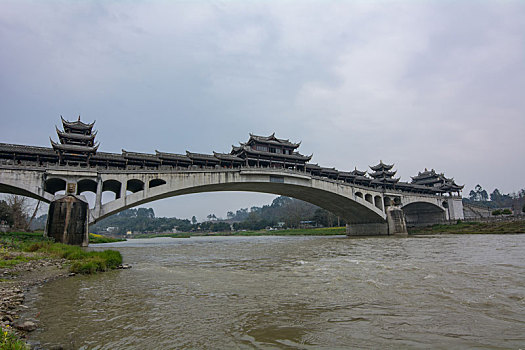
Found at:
<point>423,213</point>
<point>343,205</point>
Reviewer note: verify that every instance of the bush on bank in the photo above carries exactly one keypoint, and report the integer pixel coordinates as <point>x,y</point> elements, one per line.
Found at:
<point>10,341</point>
<point>95,239</point>
<point>466,227</point>
<point>82,261</point>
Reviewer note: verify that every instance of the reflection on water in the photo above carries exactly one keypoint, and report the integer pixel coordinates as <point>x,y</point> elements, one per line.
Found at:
<point>295,292</point>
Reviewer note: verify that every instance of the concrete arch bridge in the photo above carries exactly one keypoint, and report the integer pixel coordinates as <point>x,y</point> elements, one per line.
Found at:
<point>367,210</point>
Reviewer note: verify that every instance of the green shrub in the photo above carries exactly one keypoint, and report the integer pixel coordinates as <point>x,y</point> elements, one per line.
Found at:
<point>506,211</point>
<point>9,341</point>
<point>496,212</point>
<point>113,258</point>
<point>89,265</point>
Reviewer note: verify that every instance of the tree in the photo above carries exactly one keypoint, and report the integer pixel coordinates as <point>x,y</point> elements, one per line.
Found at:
<point>145,213</point>
<point>5,213</point>
<point>495,196</point>
<point>193,220</point>
<point>230,215</point>
<point>19,208</point>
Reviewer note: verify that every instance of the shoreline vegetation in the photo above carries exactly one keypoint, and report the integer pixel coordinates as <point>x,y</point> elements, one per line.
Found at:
<point>19,247</point>
<point>327,231</point>
<point>461,227</point>
<point>472,227</point>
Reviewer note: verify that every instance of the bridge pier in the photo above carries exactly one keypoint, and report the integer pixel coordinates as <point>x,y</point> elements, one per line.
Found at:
<point>369,229</point>
<point>395,219</point>
<point>395,225</point>
<point>67,220</point>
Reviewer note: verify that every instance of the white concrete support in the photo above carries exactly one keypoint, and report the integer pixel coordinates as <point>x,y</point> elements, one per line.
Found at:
<point>98,198</point>
<point>455,208</point>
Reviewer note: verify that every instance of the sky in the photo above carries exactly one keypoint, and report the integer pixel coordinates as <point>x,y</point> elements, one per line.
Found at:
<point>421,84</point>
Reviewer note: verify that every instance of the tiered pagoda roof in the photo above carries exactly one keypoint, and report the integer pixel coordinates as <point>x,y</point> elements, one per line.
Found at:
<point>382,173</point>
<point>76,126</point>
<point>76,141</point>
<point>430,178</point>
<point>270,150</point>
<point>358,172</point>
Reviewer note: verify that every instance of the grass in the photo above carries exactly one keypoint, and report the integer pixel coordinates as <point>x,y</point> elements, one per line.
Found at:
<point>95,239</point>
<point>10,341</point>
<point>172,235</point>
<point>20,247</point>
<point>466,227</point>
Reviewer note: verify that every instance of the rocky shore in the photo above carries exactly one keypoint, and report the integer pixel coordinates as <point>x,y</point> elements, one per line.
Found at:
<point>16,281</point>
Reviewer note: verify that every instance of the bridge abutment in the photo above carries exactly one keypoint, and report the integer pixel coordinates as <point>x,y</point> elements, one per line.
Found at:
<point>395,225</point>
<point>67,220</point>
<point>370,229</point>
<point>396,222</point>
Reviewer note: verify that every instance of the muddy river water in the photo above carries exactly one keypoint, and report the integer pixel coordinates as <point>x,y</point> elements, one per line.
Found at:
<point>447,291</point>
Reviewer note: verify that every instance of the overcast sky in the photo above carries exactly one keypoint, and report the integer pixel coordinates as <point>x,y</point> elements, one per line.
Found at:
<point>422,84</point>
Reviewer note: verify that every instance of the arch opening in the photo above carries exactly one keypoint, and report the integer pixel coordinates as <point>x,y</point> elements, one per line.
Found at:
<point>368,198</point>
<point>378,202</point>
<point>112,186</point>
<point>156,182</point>
<point>134,185</point>
<point>54,185</point>
<point>359,194</point>
<point>387,201</point>
<point>422,214</point>
<point>86,185</point>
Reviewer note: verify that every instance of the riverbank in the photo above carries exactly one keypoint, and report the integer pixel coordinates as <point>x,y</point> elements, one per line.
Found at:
<point>28,260</point>
<point>324,231</point>
<point>497,227</point>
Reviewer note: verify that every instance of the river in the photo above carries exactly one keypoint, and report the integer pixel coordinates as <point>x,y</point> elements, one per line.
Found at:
<point>445,291</point>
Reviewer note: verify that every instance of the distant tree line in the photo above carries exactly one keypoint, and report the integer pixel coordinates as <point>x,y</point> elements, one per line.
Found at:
<point>282,212</point>
<point>285,211</point>
<point>496,199</point>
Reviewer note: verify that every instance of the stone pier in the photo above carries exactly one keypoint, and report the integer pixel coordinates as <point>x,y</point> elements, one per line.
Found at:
<point>67,220</point>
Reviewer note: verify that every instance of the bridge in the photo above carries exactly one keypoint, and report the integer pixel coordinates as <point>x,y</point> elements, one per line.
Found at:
<point>374,203</point>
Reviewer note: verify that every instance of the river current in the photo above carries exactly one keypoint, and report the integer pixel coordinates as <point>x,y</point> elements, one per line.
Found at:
<point>442,292</point>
